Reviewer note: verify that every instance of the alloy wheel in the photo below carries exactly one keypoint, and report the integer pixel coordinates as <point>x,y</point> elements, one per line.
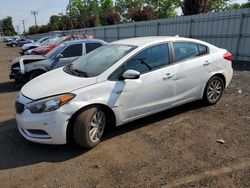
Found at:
<point>97,125</point>
<point>214,90</point>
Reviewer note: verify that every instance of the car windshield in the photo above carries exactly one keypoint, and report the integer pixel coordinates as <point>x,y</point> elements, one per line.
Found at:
<point>41,40</point>
<point>99,60</point>
<point>60,40</point>
<point>50,41</point>
<point>55,51</point>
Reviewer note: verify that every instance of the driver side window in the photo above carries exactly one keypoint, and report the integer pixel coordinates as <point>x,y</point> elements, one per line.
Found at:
<point>145,61</point>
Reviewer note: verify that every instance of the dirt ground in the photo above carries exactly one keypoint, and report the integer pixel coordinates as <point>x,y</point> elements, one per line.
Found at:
<point>175,148</point>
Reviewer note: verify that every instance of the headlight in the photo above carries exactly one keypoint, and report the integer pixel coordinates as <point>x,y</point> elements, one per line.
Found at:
<point>49,104</point>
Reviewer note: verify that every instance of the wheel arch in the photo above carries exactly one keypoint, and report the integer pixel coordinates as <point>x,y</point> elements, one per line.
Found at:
<point>221,75</point>
<point>70,126</point>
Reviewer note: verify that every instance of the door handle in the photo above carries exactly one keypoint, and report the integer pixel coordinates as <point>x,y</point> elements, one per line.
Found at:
<point>207,63</point>
<point>167,76</point>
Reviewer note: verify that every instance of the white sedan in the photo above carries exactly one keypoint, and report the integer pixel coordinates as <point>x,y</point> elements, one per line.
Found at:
<point>123,81</point>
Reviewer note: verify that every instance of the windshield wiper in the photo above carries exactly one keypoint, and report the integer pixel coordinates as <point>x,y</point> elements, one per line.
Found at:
<point>76,71</point>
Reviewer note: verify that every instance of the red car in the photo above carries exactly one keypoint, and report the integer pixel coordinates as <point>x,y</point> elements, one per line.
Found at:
<point>43,50</point>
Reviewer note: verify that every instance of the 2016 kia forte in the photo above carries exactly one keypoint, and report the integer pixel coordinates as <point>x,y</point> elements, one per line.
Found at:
<point>118,83</point>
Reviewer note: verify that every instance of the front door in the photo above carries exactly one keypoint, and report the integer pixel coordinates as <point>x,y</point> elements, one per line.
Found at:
<point>153,91</point>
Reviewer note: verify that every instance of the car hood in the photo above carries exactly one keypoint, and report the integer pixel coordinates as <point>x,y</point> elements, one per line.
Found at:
<point>28,57</point>
<point>25,46</point>
<point>53,83</point>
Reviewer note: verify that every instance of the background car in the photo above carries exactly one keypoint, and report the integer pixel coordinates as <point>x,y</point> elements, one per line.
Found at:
<point>33,45</point>
<point>12,42</point>
<point>7,39</point>
<point>118,83</point>
<point>23,41</point>
<point>19,42</point>
<point>28,67</point>
<point>42,50</point>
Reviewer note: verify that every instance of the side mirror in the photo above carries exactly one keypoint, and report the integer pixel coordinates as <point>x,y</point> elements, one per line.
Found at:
<point>60,56</point>
<point>131,74</point>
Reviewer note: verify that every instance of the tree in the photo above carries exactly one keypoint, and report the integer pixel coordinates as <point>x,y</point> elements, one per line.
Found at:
<point>124,6</point>
<point>246,5</point>
<point>92,21</point>
<point>141,13</point>
<point>164,8</point>
<point>190,7</point>
<point>7,25</point>
<point>218,5</point>
<point>106,6</point>
<point>32,30</point>
<point>234,6</point>
<point>112,18</point>
<point>55,19</point>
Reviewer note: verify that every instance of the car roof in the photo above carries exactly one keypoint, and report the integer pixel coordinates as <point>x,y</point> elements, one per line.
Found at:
<point>140,41</point>
<point>83,41</point>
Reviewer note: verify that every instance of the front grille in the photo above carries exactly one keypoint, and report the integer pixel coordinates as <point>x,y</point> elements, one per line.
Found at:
<point>19,107</point>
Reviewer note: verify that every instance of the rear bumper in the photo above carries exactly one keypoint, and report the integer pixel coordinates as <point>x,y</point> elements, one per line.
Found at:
<point>228,74</point>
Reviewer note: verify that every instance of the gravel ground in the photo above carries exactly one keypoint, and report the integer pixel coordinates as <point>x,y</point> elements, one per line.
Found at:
<point>174,148</point>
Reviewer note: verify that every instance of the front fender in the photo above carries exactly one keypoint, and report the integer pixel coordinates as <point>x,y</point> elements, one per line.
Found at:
<point>30,68</point>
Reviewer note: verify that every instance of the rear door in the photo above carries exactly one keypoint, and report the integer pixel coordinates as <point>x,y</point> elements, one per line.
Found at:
<point>191,75</point>
<point>69,54</point>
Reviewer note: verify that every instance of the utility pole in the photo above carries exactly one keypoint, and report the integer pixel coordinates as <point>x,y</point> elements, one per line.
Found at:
<point>17,29</point>
<point>23,25</point>
<point>1,28</point>
<point>69,7</point>
<point>35,13</point>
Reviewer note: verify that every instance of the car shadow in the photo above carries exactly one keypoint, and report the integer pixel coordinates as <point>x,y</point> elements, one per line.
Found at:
<point>143,122</point>
<point>241,66</point>
<point>7,87</point>
<point>18,152</point>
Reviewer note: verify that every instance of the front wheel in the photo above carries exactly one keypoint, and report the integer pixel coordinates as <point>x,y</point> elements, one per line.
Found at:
<point>214,90</point>
<point>89,127</point>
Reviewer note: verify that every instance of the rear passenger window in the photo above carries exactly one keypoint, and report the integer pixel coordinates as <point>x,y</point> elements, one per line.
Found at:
<point>92,46</point>
<point>186,50</point>
<point>202,49</point>
<point>72,51</point>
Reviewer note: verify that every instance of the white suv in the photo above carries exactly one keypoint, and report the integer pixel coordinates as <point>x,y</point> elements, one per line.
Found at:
<point>118,83</point>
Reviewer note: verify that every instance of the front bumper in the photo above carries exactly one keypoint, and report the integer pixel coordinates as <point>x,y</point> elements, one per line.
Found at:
<point>44,128</point>
<point>17,76</point>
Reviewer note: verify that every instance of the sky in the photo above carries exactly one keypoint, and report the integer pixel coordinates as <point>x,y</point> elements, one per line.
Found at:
<point>21,10</point>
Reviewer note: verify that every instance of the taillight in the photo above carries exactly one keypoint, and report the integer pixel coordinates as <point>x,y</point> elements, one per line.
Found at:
<point>228,56</point>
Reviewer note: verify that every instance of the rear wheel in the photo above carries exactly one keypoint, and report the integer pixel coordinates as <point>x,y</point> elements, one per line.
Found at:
<point>214,90</point>
<point>89,127</point>
<point>34,74</point>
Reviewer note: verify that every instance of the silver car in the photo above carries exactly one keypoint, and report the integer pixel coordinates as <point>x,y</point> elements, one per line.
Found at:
<point>28,67</point>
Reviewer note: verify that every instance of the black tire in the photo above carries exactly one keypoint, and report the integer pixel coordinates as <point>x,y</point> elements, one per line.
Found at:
<point>214,90</point>
<point>83,127</point>
<point>34,74</point>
